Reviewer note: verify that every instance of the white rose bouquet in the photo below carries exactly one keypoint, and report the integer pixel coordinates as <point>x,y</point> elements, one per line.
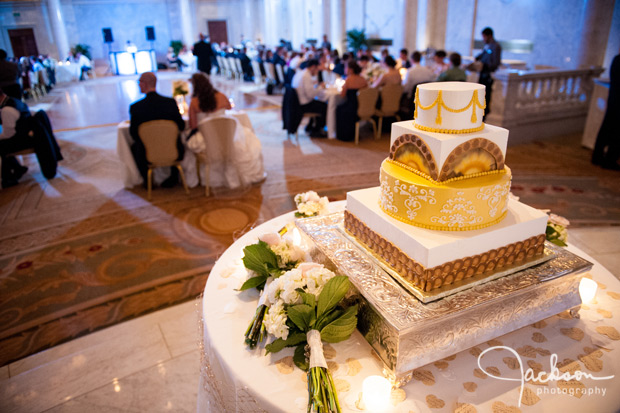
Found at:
<point>556,230</point>
<point>266,260</point>
<point>307,308</point>
<point>310,204</point>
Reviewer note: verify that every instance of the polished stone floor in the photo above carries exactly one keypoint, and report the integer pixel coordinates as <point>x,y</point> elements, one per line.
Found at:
<point>150,363</point>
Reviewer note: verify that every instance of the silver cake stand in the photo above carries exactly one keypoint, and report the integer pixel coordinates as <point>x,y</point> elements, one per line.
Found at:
<point>408,333</point>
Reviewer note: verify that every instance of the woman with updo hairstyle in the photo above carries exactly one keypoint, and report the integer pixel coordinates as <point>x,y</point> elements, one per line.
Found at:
<point>206,100</point>
<point>391,76</point>
<point>346,112</point>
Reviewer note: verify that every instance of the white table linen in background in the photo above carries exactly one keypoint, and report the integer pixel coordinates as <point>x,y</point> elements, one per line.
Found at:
<point>236,379</point>
<point>67,72</point>
<point>332,96</point>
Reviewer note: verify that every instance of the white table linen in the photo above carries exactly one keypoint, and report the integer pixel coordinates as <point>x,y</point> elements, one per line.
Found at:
<point>67,72</point>
<point>332,96</point>
<point>234,378</point>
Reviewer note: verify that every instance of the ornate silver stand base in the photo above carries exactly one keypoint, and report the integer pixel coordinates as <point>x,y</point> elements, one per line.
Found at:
<point>408,334</point>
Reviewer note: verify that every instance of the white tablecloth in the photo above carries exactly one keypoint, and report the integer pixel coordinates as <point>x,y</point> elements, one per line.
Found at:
<point>333,99</point>
<point>130,174</point>
<point>235,378</point>
<point>67,72</point>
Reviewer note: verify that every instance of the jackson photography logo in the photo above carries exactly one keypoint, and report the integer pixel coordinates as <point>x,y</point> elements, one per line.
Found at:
<point>543,377</point>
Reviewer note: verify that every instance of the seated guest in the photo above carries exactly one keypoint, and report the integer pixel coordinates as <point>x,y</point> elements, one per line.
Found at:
<point>305,84</point>
<point>153,107</point>
<point>206,101</point>
<point>403,60</point>
<point>439,62</point>
<point>391,76</point>
<point>455,73</point>
<point>174,60</point>
<point>416,74</point>
<point>346,112</point>
<point>9,75</point>
<point>14,138</point>
<point>340,64</point>
<point>246,65</point>
<point>84,63</point>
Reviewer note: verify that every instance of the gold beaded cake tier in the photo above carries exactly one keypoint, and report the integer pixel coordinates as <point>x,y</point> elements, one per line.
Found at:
<point>460,204</point>
<point>428,279</point>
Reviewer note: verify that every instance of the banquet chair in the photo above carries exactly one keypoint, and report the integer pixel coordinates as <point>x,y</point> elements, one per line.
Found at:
<point>239,68</point>
<point>390,104</point>
<point>280,73</point>
<point>219,135</point>
<point>258,78</point>
<point>160,142</point>
<point>271,72</point>
<point>220,64</point>
<point>366,107</point>
<point>233,67</point>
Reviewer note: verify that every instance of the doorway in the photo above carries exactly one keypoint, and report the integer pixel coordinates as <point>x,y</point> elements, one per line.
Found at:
<point>23,42</point>
<point>218,31</point>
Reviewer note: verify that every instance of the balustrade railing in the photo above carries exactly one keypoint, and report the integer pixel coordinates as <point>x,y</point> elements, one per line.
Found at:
<point>545,97</point>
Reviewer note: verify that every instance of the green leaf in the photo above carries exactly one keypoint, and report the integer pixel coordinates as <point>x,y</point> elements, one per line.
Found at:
<point>302,315</point>
<point>334,290</point>
<point>309,299</point>
<point>341,328</point>
<point>259,258</point>
<point>279,344</point>
<point>254,282</point>
<point>558,242</point>
<point>299,358</point>
<point>328,317</point>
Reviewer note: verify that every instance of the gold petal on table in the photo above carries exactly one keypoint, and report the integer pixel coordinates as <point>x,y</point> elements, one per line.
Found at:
<point>222,286</point>
<point>537,368</point>
<point>540,324</point>
<point>601,286</point>
<point>465,408</point>
<point>475,351</point>
<point>538,337</point>
<point>593,352</point>
<point>527,351</point>
<point>575,333</point>
<point>342,386</point>
<point>480,374</point>
<point>529,397</point>
<point>565,315</point>
<point>285,365</point>
<point>227,272</point>
<point>573,387</point>
<point>332,366</point>
<point>499,407</point>
<point>450,358</point>
<point>543,352</point>
<point>425,376</point>
<point>608,331</point>
<point>568,366</point>
<point>441,365</point>
<point>604,313</point>
<point>493,370</point>
<point>613,295</point>
<point>397,396</point>
<point>584,307</point>
<point>354,367</point>
<point>329,352</point>
<point>434,402</point>
<point>495,343</point>
<point>511,362</point>
<point>470,386</point>
<point>591,362</point>
<point>359,403</point>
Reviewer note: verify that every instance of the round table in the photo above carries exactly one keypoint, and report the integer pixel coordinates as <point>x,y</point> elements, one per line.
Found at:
<point>235,378</point>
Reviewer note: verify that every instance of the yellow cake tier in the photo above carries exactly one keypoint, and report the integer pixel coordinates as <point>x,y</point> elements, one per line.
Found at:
<point>461,204</point>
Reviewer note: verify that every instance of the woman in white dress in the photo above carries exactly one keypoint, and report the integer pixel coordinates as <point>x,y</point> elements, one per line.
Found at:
<point>208,103</point>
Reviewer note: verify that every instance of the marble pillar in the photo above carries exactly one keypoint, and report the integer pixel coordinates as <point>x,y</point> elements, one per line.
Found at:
<point>187,25</point>
<point>595,26</point>
<point>338,29</point>
<point>58,25</point>
<point>410,17</point>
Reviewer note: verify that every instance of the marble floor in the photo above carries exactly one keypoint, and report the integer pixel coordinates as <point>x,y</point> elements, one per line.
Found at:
<point>152,363</point>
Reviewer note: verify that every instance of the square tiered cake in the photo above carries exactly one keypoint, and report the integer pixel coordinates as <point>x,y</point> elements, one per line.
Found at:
<point>442,212</point>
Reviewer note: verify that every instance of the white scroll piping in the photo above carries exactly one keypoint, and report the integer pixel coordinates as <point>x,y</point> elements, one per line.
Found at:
<point>317,359</point>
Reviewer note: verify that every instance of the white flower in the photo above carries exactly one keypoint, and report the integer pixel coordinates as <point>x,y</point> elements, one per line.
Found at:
<point>275,320</point>
<point>556,219</point>
<point>287,252</point>
<point>271,238</point>
<point>310,204</point>
<point>316,278</point>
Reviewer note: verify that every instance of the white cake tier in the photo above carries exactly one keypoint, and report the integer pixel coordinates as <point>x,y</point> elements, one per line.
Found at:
<point>450,107</point>
<point>433,248</point>
<point>444,151</point>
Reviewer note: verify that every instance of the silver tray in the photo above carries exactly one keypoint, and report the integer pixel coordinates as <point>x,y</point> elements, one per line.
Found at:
<point>408,334</point>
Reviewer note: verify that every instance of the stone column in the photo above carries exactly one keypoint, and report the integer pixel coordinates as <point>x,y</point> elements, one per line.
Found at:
<point>187,25</point>
<point>410,17</point>
<point>594,32</point>
<point>58,25</point>
<point>338,31</point>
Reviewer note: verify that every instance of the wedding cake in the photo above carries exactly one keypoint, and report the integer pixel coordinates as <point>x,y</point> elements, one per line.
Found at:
<point>442,212</point>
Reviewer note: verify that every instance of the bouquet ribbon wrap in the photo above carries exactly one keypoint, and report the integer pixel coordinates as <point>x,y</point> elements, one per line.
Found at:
<point>317,359</point>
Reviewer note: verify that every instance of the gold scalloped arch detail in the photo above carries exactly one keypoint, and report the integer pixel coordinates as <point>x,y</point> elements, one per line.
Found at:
<point>470,145</point>
<point>407,142</point>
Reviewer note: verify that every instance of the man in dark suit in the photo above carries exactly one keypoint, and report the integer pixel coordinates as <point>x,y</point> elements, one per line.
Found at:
<point>204,52</point>
<point>153,107</point>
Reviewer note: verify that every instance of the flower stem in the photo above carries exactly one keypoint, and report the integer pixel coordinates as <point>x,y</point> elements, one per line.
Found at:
<point>255,331</point>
